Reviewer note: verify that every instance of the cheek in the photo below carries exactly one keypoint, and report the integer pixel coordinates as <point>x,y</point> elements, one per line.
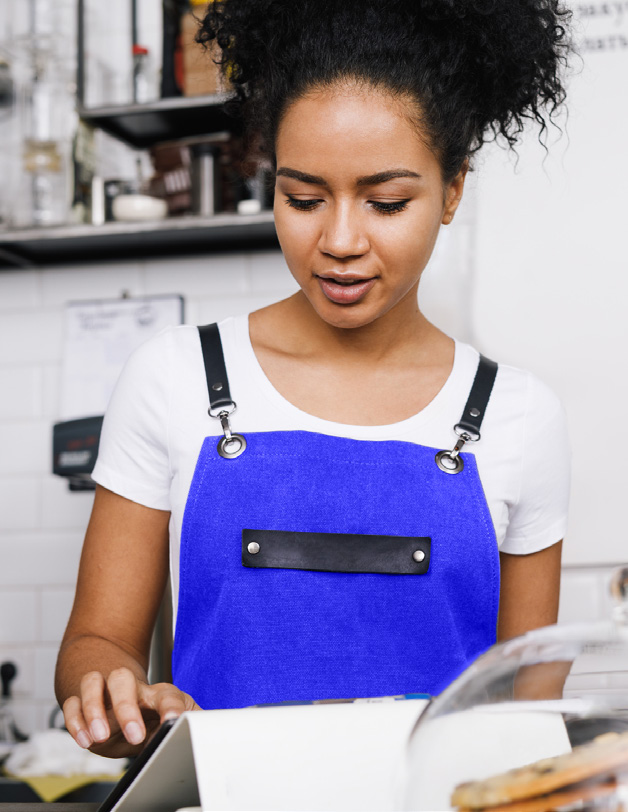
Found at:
<point>297,235</point>
<point>409,244</point>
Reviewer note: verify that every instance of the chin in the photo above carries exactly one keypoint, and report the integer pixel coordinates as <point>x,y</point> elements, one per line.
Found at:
<point>346,317</point>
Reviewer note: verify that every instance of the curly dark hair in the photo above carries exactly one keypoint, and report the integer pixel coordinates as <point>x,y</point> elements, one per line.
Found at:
<point>478,69</point>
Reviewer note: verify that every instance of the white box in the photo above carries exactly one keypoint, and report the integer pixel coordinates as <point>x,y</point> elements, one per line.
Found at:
<point>341,757</point>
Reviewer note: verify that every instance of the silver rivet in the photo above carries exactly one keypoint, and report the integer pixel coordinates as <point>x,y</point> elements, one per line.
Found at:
<point>474,412</point>
<point>418,556</point>
<point>253,548</point>
<point>217,387</point>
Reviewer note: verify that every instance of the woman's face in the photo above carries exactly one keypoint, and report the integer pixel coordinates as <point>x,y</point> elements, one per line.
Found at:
<point>359,201</point>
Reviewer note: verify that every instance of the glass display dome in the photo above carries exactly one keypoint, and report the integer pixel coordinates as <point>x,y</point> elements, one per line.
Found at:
<point>537,723</point>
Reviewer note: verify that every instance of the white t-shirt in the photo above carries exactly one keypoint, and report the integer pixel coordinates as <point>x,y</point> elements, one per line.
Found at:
<point>157,420</point>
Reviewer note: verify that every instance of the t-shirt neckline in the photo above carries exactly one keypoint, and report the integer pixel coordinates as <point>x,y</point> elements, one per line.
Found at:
<point>311,422</point>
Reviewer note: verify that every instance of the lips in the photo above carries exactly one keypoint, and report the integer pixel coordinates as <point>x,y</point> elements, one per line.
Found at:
<point>345,288</point>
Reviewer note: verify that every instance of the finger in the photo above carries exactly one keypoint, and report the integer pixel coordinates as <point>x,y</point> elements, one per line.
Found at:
<point>93,705</point>
<point>123,686</point>
<point>166,699</point>
<point>75,722</point>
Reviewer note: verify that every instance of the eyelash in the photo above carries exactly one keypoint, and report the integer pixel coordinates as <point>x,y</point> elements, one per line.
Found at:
<point>380,208</point>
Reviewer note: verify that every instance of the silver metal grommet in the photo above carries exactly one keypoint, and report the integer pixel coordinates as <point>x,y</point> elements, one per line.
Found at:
<point>448,463</point>
<point>474,412</point>
<point>231,447</point>
<point>217,387</point>
<point>253,547</point>
<point>418,556</point>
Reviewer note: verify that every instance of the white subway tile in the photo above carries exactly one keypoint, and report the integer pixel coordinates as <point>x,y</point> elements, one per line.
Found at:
<point>48,714</point>
<point>607,601</point>
<point>20,505</point>
<point>25,715</point>
<point>25,447</point>
<point>576,684</point>
<point>18,616</point>
<point>579,596</point>
<point>35,560</point>
<point>618,680</point>
<point>51,394</point>
<point>63,508</point>
<point>211,275</point>
<point>21,389</point>
<point>211,310</point>
<point>191,311</point>
<point>84,282</point>
<point>45,662</point>
<point>23,658</point>
<point>267,272</point>
<point>27,338</point>
<point>56,605</point>
<point>19,290</point>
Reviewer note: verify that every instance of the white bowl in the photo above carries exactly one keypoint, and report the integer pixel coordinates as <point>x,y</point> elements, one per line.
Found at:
<point>139,207</point>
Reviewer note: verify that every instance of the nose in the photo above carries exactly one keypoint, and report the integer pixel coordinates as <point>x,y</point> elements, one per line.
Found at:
<point>343,234</point>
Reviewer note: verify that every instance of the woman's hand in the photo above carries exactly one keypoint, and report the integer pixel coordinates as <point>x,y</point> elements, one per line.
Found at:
<point>117,715</point>
<point>101,679</point>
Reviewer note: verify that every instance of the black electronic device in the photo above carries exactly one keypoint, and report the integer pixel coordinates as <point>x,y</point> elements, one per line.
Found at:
<point>74,451</point>
<point>136,767</point>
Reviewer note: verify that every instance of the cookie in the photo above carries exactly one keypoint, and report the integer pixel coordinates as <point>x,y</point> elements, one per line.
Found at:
<point>556,801</point>
<point>604,757</point>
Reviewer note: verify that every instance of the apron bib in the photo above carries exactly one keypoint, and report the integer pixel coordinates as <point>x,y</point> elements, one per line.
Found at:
<point>319,567</point>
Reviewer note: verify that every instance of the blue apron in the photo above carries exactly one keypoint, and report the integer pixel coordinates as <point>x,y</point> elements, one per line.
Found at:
<point>320,567</point>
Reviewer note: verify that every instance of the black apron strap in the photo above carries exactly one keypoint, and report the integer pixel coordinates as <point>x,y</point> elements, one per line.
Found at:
<point>215,369</point>
<point>221,405</point>
<point>479,396</point>
<point>468,428</point>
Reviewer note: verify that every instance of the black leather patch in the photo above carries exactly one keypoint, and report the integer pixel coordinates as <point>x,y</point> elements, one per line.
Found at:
<point>335,552</point>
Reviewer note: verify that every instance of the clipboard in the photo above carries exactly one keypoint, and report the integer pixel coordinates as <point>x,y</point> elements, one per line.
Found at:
<point>344,757</point>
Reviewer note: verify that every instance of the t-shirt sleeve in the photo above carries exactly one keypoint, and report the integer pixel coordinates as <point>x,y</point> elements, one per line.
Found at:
<point>538,518</point>
<point>133,456</point>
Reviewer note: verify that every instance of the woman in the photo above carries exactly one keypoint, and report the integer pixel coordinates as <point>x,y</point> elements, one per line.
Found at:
<point>349,530</point>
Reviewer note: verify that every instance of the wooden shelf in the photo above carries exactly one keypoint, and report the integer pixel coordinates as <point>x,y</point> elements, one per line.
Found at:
<point>174,236</point>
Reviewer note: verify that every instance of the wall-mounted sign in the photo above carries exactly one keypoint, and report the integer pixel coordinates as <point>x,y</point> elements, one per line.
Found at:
<point>99,337</point>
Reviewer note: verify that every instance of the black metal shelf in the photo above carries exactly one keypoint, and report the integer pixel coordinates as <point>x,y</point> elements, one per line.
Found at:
<point>142,125</point>
<point>174,236</point>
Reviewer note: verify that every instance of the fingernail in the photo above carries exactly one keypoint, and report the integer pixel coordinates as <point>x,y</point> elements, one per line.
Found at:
<point>98,730</point>
<point>170,715</point>
<point>133,733</point>
<point>83,739</point>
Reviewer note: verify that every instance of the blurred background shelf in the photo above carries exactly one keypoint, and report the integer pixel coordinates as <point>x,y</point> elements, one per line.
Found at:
<point>142,125</point>
<point>120,240</point>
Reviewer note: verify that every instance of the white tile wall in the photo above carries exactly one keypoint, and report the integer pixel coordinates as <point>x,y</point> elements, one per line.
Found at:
<point>24,385</point>
<point>20,504</point>
<point>41,522</point>
<point>19,618</point>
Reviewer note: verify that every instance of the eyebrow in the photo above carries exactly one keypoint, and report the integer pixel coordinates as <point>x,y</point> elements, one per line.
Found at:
<point>366,180</point>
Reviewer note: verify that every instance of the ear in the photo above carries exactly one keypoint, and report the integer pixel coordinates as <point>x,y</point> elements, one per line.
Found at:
<point>453,193</point>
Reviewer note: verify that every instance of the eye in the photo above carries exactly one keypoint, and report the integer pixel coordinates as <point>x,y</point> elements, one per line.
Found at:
<point>389,208</point>
<point>301,205</point>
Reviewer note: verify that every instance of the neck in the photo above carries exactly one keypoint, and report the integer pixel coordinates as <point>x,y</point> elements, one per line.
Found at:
<point>403,331</point>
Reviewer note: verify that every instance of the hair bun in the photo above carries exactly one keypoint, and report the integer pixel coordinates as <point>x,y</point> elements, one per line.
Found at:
<point>478,68</point>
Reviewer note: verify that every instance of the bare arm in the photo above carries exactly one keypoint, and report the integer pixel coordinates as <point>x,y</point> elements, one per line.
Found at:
<point>101,677</point>
<point>529,591</point>
<point>530,587</point>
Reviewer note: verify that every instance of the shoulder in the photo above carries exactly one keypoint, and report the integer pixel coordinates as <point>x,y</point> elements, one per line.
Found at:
<point>518,395</point>
<point>176,349</point>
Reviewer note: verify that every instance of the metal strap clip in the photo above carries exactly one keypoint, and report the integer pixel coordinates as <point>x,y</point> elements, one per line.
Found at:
<point>450,461</point>
<point>231,445</point>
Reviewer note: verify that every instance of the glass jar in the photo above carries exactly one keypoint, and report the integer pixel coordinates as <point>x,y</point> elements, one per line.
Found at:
<point>537,723</point>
